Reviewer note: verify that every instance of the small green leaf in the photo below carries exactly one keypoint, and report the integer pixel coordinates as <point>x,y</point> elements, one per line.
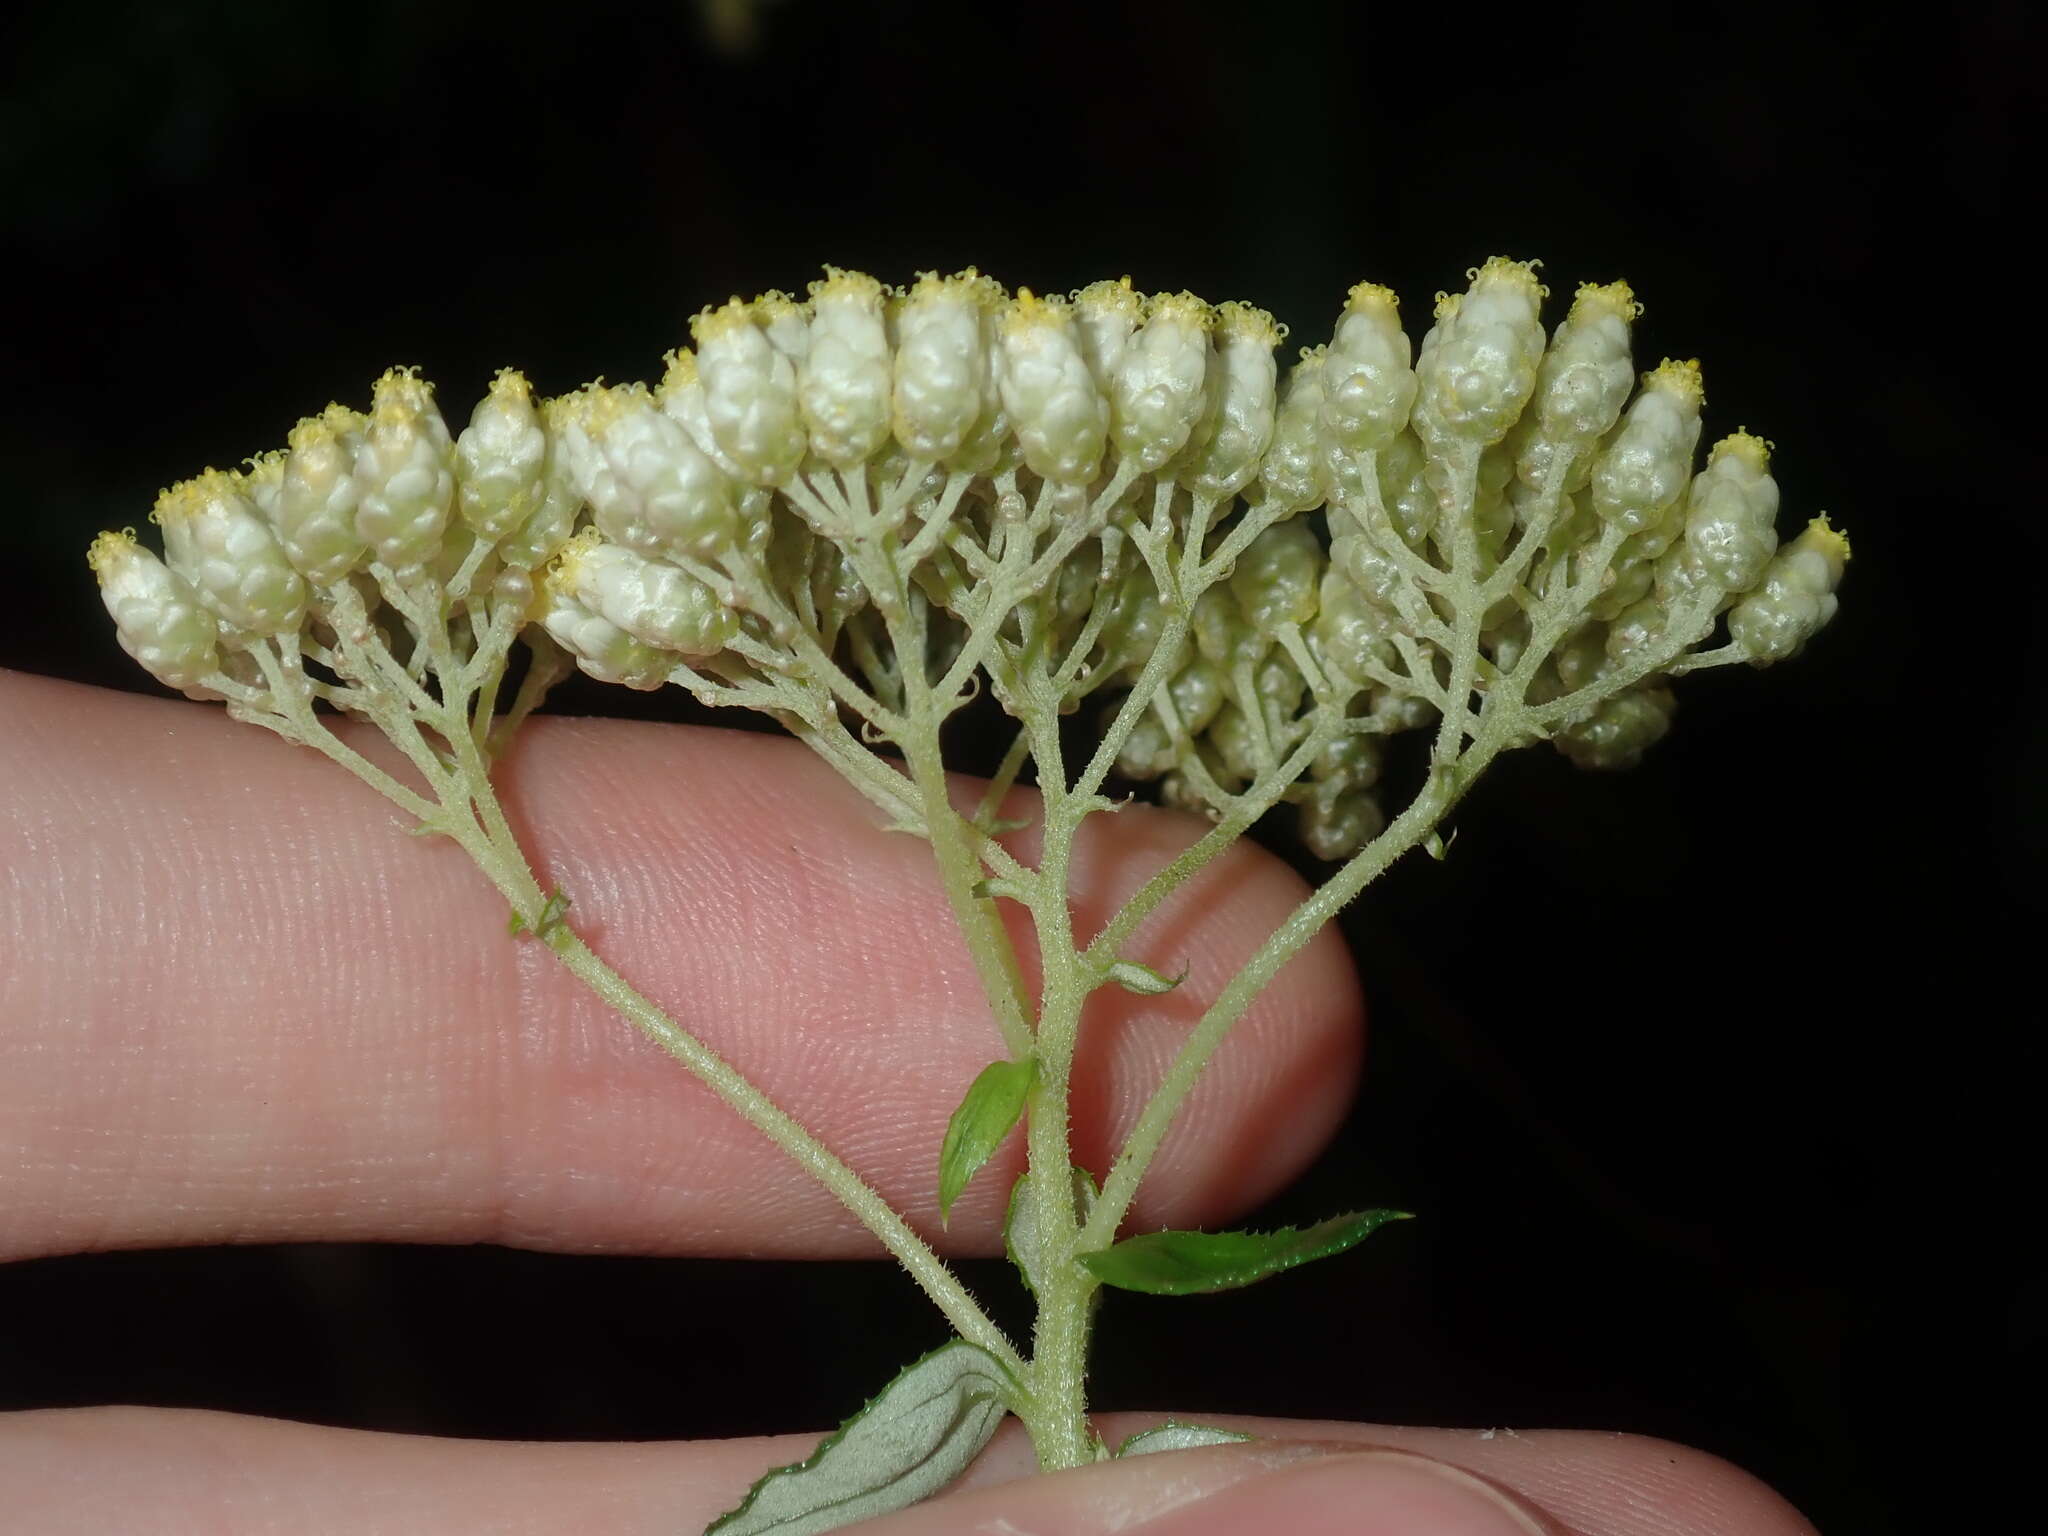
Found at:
<point>1142,979</point>
<point>551,915</point>
<point>916,1435</point>
<point>1189,1263</point>
<point>1020,1224</point>
<point>1178,1437</point>
<point>993,889</point>
<point>994,1103</point>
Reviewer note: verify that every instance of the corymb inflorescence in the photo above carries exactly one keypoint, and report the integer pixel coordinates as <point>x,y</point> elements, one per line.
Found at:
<point>1330,541</point>
<point>858,511</point>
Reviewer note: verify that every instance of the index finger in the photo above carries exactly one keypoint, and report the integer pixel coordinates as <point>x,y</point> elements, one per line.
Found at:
<point>238,1004</point>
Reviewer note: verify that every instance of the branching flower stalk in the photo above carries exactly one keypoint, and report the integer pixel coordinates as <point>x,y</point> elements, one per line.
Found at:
<point>856,512</point>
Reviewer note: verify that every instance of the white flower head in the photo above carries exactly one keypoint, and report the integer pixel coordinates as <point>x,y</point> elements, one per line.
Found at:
<point>943,381</point>
<point>649,486</point>
<point>1477,367</point>
<point>405,472</point>
<point>655,603</point>
<point>1583,381</point>
<point>1796,598</point>
<point>601,648</point>
<point>314,511</point>
<point>1243,382</point>
<point>1106,315</point>
<point>501,456</point>
<point>1368,385</point>
<point>1290,473</point>
<point>750,394</point>
<point>158,617</point>
<point>1060,417</point>
<point>1645,466</point>
<point>845,380</point>
<point>1732,513</point>
<point>1156,393</point>
<point>216,539</point>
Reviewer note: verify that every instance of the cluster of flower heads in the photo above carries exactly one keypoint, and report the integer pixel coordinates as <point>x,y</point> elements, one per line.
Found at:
<point>765,513</point>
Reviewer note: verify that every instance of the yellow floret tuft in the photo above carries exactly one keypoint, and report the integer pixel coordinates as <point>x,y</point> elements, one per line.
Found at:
<point>312,431</point>
<point>1247,322</point>
<point>968,284</point>
<point>182,502</point>
<point>1747,446</point>
<point>1678,376</point>
<point>776,305</point>
<point>1114,295</point>
<point>399,396</point>
<point>560,572</point>
<point>1616,296</point>
<point>1828,539</point>
<point>679,370</point>
<point>1505,269</point>
<point>264,470</point>
<point>838,282</point>
<point>604,404</point>
<point>1370,295</point>
<point>734,314</point>
<point>109,550</point>
<point>1183,306</point>
<point>510,384</point>
<point>1027,311</point>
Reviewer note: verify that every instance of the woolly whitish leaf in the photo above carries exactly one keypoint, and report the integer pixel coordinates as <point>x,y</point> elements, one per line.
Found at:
<point>1178,1437</point>
<point>917,1435</point>
<point>1020,1225</point>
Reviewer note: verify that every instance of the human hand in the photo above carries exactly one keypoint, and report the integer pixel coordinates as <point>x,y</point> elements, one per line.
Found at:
<point>237,1006</point>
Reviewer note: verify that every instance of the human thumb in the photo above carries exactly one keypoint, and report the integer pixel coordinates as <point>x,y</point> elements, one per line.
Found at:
<point>1265,1488</point>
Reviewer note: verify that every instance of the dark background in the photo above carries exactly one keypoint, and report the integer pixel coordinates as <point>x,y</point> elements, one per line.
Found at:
<point>1701,1077</point>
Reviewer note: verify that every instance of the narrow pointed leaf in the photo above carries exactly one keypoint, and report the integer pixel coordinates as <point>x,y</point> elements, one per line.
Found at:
<point>1188,1263</point>
<point>1133,976</point>
<point>993,1104</point>
<point>917,1435</point>
<point>1178,1437</point>
<point>994,889</point>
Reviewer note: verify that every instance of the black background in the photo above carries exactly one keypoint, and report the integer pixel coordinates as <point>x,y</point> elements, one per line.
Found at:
<point>1700,1076</point>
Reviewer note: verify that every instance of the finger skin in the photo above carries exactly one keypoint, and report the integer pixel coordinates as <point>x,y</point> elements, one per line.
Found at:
<point>165,1472</point>
<point>238,1003</point>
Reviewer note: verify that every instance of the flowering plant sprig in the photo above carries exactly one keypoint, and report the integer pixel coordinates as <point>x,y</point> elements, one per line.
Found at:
<point>855,512</point>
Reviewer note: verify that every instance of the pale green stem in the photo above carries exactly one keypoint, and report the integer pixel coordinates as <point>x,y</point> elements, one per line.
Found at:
<point>1404,833</point>
<point>471,814</point>
<point>1244,810</point>
<point>1058,1418</point>
<point>992,797</point>
<point>1151,678</point>
<point>1464,574</point>
<point>954,845</point>
<point>761,1112</point>
<point>507,869</point>
<point>546,666</point>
